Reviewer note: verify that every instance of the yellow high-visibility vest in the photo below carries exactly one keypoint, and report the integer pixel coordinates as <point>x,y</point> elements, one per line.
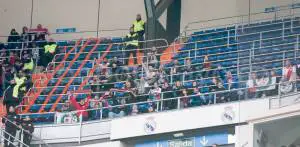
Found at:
<point>50,48</point>
<point>138,26</point>
<point>29,65</point>
<point>16,91</point>
<point>20,81</point>
<point>132,42</point>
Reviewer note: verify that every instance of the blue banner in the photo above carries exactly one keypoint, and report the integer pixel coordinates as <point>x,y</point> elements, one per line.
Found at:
<point>66,30</point>
<point>198,141</point>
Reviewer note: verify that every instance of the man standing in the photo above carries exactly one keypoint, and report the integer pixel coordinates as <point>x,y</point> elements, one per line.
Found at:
<point>139,28</point>
<point>11,121</point>
<point>28,127</point>
<point>132,44</point>
<point>9,99</point>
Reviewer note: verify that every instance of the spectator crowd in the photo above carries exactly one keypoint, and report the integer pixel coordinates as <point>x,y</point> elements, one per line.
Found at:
<point>122,90</point>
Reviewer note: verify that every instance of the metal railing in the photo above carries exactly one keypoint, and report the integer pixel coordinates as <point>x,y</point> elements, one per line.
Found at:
<point>214,98</point>
<point>19,142</point>
<point>239,19</point>
<point>253,49</point>
<point>22,131</point>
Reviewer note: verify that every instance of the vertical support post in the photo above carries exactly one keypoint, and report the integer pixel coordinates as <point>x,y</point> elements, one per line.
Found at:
<point>101,113</point>
<point>80,129</point>
<point>178,103</point>
<point>196,49</point>
<point>162,101</point>
<point>296,48</point>
<point>292,22</point>
<point>215,98</point>
<point>228,37</point>
<point>283,29</point>
<point>260,39</point>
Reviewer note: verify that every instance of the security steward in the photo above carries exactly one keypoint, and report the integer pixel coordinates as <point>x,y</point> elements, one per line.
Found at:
<point>139,28</point>
<point>28,127</point>
<point>9,100</point>
<point>11,121</point>
<point>49,53</point>
<point>132,44</point>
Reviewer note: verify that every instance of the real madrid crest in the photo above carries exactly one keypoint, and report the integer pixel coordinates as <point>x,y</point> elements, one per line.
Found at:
<point>228,115</point>
<point>150,125</point>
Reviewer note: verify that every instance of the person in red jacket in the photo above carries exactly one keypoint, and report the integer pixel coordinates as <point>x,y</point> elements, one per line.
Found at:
<point>82,106</point>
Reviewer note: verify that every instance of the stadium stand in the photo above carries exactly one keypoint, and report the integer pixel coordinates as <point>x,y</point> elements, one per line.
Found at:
<point>213,66</point>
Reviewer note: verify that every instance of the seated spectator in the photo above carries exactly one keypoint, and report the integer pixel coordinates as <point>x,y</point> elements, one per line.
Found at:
<point>96,85</point>
<point>115,110</point>
<point>251,85</point>
<point>177,89</point>
<point>81,107</point>
<point>147,107</point>
<point>162,75</point>
<point>220,72</point>
<point>130,92</point>
<point>206,67</point>
<point>217,86</point>
<point>67,107</point>
<point>134,110</point>
<point>13,39</point>
<point>96,112</point>
<point>151,74</point>
<point>288,78</point>
<point>197,98</point>
<point>231,83</point>
<point>155,94</point>
<point>184,98</point>
<point>12,58</point>
<point>272,89</point>
<point>116,69</point>
<point>188,70</point>
<point>175,71</point>
<point>167,93</point>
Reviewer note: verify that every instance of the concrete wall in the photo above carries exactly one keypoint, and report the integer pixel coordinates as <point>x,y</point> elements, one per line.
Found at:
<point>116,14</point>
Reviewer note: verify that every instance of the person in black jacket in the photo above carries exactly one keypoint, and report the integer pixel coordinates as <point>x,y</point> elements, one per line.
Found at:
<point>9,100</point>
<point>11,121</point>
<point>28,127</point>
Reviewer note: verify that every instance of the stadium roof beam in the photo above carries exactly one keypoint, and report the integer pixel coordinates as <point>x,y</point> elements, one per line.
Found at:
<point>154,29</point>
